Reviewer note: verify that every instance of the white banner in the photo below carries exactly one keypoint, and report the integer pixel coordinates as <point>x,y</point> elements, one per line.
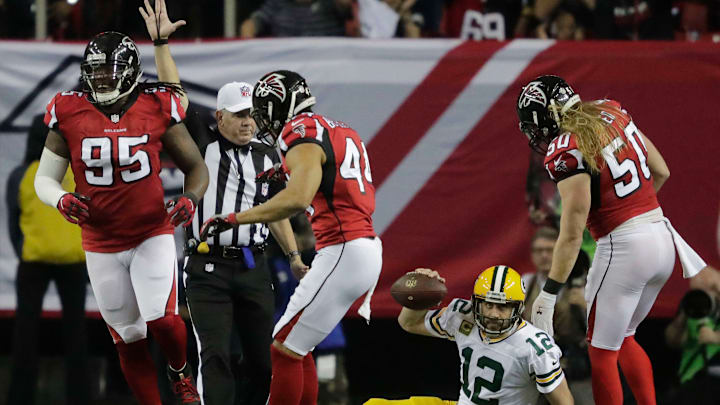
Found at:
<point>360,82</point>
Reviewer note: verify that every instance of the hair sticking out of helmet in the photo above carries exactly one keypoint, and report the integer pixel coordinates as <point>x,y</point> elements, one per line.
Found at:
<point>110,68</point>
<point>498,285</point>
<point>277,98</point>
<point>591,124</point>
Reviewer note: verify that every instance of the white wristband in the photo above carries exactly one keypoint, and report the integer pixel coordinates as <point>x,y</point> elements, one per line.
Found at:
<point>49,176</point>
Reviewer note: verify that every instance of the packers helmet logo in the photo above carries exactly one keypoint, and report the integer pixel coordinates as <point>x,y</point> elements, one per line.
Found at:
<point>532,93</point>
<point>271,84</point>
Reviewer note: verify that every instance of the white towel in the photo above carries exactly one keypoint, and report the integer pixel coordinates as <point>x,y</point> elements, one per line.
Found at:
<point>364,309</point>
<point>691,262</point>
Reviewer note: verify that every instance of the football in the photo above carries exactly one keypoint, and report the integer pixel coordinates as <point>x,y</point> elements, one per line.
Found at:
<point>418,291</point>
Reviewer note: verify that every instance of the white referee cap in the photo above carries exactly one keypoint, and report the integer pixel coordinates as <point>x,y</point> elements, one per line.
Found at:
<point>234,97</point>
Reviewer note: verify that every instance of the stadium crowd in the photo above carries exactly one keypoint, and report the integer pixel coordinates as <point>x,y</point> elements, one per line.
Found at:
<point>471,19</point>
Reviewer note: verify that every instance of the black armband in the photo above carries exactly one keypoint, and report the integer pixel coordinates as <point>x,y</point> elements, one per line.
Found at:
<point>160,41</point>
<point>552,286</point>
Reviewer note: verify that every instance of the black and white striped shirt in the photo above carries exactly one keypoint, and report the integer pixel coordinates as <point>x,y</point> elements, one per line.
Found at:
<point>232,188</point>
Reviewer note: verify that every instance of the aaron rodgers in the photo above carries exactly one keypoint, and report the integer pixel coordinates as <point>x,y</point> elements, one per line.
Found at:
<point>504,360</point>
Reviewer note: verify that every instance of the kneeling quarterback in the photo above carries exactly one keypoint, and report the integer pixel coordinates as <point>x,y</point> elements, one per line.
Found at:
<point>504,359</point>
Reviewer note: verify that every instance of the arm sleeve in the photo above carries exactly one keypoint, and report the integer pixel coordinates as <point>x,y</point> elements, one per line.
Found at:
<point>546,366</point>
<point>48,180</point>
<point>564,164</point>
<point>445,322</point>
<point>51,113</point>
<point>301,130</point>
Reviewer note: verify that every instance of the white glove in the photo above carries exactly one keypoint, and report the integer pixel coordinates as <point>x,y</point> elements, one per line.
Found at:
<point>542,311</point>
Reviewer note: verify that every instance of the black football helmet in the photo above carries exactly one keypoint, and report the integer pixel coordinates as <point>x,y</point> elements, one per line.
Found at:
<point>277,98</point>
<point>110,68</point>
<point>537,121</point>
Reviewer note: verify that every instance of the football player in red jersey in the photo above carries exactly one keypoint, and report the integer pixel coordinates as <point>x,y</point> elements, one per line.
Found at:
<point>607,173</point>
<point>330,179</point>
<point>111,135</point>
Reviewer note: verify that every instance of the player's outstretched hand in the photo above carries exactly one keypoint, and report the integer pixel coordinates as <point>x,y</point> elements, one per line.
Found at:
<point>157,21</point>
<point>429,272</point>
<point>297,267</point>
<point>72,206</point>
<point>543,310</point>
<point>183,209</point>
<point>275,174</point>
<point>217,224</point>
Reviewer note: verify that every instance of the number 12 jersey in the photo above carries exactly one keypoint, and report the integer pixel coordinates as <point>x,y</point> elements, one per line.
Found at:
<point>510,371</point>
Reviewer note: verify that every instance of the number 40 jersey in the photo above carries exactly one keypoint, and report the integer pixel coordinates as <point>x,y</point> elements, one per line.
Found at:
<point>510,371</point>
<point>116,162</point>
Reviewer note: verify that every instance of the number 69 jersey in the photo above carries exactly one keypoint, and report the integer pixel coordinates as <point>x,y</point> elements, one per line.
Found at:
<point>343,206</point>
<point>624,187</point>
<point>116,162</point>
<point>510,371</point>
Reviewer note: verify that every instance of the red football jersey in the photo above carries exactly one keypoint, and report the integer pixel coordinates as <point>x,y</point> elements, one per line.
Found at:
<point>116,163</point>
<point>624,187</point>
<point>343,206</point>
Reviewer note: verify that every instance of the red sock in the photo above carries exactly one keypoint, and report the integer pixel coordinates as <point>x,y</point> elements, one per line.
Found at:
<point>169,332</point>
<point>606,386</point>
<point>310,381</point>
<point>286,386</point>
<point>637,370</point>
<point>139,371</point>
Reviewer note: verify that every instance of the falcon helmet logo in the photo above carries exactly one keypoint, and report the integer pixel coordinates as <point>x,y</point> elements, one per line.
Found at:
<point>532,93</point>
<point>300,130</point>
<point>272,84</point>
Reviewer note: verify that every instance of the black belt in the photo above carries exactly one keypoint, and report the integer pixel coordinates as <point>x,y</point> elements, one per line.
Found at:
<point>226,252</point>
<point>234,252</point>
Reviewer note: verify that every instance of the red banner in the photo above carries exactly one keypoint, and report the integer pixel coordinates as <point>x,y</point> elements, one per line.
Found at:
<point>471,213</point>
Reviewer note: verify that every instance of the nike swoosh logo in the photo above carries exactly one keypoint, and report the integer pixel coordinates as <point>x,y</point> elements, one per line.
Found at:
<point>555,362</point>
<point>293,123</point>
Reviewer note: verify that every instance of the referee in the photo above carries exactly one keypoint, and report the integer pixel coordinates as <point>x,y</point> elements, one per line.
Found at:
<point>227,281</point>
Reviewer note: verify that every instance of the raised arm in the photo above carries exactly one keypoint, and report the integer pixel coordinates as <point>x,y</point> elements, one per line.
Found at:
<point>160,28</point>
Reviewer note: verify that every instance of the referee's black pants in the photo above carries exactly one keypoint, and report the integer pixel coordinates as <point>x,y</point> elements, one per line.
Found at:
<point>220,293</point>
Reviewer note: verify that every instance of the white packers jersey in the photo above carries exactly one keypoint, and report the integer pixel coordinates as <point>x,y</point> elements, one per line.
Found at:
<point>509,371</point>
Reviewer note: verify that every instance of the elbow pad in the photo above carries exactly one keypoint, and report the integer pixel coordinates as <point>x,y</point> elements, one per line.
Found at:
<point>48,180</point>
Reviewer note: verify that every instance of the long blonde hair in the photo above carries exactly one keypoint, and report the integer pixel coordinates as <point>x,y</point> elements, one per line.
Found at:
<point>592,131</point>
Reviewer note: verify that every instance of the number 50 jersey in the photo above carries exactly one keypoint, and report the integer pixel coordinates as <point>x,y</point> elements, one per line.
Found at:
<point>624,187</point>
<point>116,162</point>
<point>343,206</point>
<point>510,371</point>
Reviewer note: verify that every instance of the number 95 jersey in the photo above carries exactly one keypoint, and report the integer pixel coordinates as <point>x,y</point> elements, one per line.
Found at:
<point>510,371</point>
<point>342,208</point>
<point>116,162</point>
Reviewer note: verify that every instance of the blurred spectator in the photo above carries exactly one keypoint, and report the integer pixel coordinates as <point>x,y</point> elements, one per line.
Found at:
<point>562,19</point>
<point>298,18</point>
<point>49,249</point>
<point>387,19</point>
<point>570,311</point>
<point>633,19</point>
<point>695,331</point>
<point>481,19</point>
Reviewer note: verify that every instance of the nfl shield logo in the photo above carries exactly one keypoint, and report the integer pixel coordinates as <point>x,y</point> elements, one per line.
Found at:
<point>264,190</point>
